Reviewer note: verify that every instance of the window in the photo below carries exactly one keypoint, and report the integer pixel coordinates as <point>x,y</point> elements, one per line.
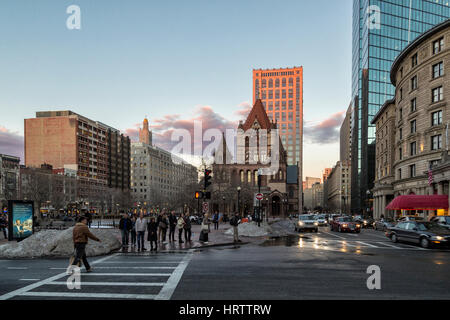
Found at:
<point>401,94</point>
<point>283,82</point>
<point>414,83</point>
<point>413,105</point>
<point>437,94</point>
<point>412,171</point>
<point>412,149</point>
<point>277,83</point>
<point>400,153</point>
<point>438,45</point>
<point>400,111</point>
<point>400,133</point>
<point>436,118</point>
<point>413,126</point>
<point>438,70</point>
<point>399,173</point>
<point>436,142</point>
<point>414,60</point>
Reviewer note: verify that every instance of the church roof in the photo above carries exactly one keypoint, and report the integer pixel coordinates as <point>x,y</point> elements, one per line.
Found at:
<point>258,113</point>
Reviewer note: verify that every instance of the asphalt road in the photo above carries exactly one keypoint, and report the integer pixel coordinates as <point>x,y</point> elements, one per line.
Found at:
<point>326,265</point>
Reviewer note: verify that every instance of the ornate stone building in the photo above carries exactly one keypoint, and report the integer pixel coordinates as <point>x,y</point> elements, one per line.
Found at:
<point>230,173</point>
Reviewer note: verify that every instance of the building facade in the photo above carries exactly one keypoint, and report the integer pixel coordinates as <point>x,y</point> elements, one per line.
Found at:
<point>412,136</point>
<point>158,178</point>
<point>337,187</point>
<point>345,137</point>
<point>381,30</point>
<point>98,153</point>
<point>310,181</point>
<point>9,178</point>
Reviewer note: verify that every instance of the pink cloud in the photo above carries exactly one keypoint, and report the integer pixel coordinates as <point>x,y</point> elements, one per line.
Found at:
<point>11,143</point>
<point>326,131</point>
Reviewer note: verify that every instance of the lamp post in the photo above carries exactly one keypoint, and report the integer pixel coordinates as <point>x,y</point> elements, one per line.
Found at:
<point>239,200</point>
<point>368,201</point>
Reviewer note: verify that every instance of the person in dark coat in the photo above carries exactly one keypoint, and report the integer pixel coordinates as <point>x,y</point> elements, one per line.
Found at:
<point>172,226</point>
<point>125,226</point>
<point>3,225</point>
<point>152,229</point>
<point>187,228</point>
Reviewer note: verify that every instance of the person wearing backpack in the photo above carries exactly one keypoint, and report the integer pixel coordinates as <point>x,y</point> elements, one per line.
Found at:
<point>234,221</point>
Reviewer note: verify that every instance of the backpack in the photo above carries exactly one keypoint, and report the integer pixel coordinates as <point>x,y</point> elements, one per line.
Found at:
<point>234,221</point>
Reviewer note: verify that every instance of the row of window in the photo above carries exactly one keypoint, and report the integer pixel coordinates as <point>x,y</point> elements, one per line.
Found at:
<point>270,83</point>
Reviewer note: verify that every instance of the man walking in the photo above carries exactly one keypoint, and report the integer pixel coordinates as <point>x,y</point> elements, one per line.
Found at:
<point>216,220</point>
<point>172,226</point>
<point>187,228</point>
<point>141,226</point>
<point>125,226</point>
<point>234,221</point>
<point>81,234</point>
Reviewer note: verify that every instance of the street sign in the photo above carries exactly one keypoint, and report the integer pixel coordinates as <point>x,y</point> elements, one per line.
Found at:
<point>205,207</point>
<point>259,196</point>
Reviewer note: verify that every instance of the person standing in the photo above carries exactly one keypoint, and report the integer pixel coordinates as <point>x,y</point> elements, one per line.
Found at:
<point>125,226</point>
<point>234,221</point>
<point>164,224</point>
<point>172,226</point>
<point>180,225</point>
<point>141,226</point>
<point>81,234</point>
<point>133,231</point>
<point>152,236</point>
<point>216,220</point>
<point>158,222</point>
<point>187,228</point>
<point>205,229</point>
<point>3,225</point>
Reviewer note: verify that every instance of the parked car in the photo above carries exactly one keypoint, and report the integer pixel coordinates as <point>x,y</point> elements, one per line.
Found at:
<point>321,220</point>
<point>383,225</point>
<point>443,221</point>
<point>424,233</point>
<point>345,224</point>
<point>306,222</point>
<point>365,222</point>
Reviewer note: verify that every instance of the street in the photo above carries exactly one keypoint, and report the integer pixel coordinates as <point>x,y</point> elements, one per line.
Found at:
<point>326,265</point>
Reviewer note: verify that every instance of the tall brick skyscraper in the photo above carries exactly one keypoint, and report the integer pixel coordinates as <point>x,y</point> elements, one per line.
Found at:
<point>145,136</point>
<point>281,91</point>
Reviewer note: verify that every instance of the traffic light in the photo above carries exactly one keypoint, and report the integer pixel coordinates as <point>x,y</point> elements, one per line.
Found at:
<point>198,195</point>
<point>207,178</point>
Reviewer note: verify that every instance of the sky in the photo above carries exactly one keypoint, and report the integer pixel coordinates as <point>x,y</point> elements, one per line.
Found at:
<point>173,61</point>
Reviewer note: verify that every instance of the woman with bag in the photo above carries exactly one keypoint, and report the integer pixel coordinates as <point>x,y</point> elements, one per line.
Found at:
<point>180,225</point>
<point>205,229</point>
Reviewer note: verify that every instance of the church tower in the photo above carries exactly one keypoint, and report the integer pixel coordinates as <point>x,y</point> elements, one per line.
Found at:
<point>145,135</point>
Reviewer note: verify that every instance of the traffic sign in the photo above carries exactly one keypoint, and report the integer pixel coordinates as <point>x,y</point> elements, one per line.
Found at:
<point>259,196</point>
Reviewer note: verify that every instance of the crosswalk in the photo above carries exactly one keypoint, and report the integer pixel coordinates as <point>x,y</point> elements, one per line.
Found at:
<point>118,276</point>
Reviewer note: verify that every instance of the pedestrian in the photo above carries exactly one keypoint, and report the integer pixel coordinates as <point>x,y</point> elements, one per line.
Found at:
<point>180,225</point>
<point>125,226</point>
<point>205,229</point>
<point>158,221</point>
<point>172,226</point>
<point>216,220</point>
<point>133,231</point>
<point>88,216</point>
<point>141,225</point>
<point>187,228</point>
<point>163,225</point>
<point>152,236</point>
<point>3,225</point>
<point>234,221</point>
<point>81,234</point>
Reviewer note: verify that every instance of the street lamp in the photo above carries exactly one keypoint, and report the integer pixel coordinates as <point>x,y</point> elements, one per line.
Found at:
<point>239,200</point>
<point>368,201</point>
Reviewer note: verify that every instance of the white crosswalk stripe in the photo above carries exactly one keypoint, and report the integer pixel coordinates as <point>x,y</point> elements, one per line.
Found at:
<point>118,276</point>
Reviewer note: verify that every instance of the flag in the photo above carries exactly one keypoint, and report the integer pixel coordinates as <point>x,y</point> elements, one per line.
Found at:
<point>430,175</point>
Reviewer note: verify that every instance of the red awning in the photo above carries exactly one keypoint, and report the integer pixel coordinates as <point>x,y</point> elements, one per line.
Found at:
<point>418,202</point>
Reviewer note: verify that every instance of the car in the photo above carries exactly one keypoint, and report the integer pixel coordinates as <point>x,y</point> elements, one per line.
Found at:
<point>365,222</point>
<point>321,220</point>
<point>443,221</point>
<point>343,224</point>
<point>410,218</point>
<point>306,222</point>
<point>383,224</point>
<point>426,234</point>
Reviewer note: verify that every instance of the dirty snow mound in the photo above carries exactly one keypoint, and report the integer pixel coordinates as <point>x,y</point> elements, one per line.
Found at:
<point>251,229</point>
<point>47,243</point>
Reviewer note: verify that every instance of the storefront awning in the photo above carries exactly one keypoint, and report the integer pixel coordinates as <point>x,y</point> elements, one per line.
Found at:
<point>419,202</point>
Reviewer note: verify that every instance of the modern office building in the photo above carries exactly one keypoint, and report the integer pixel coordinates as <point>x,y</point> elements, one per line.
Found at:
<point>345,134</point>
<point>281,92</point>
<point>381,30</point>
<point>97,152</point>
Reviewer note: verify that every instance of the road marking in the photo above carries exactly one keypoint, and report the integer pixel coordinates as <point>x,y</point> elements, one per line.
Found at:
<point>389,245</point>
<point>43,282</point>
<point>121,268</point>
<point>171,284</point>
<point>29,279</point>
<point>127,274</point>
<point>334,235</point>
<point>368,244</point>
<point>140,262</point>
<point>17,268</point>
<point>126,284</point>
<point>88,295</point>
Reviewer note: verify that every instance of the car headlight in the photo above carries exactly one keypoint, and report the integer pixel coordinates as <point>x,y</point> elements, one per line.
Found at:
<point>300,223</point>
<point>316,223</point>
<point>345,225</point>
<point>358,226</point>
<point>440,238</point>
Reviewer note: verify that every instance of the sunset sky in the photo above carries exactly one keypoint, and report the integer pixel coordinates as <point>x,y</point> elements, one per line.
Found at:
<point>173,61</point>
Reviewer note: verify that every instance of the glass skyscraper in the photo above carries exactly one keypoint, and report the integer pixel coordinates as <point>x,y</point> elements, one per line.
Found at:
<point>381,30</point>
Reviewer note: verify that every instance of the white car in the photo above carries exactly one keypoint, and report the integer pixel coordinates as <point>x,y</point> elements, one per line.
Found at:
<point>306,222</point>
<point>321,220</point>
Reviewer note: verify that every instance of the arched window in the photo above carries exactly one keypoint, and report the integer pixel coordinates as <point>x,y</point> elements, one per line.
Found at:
<point>249,176</point>
<point>255,174</point>
<point>277,83</point>
<point>263,83</point>
<point>270,83</point>
<point>242,175</point>
<point>280,174</point>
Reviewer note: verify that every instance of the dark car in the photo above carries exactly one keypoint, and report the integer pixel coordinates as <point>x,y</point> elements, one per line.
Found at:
<point>365,222</point>
<point>426,234</point>
<point>383,225</point>
<point>442,220</point>
<point>345,224</point>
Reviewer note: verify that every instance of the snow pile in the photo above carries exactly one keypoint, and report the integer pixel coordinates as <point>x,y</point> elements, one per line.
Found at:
<point>48,243</point>
<point>251,229</point>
